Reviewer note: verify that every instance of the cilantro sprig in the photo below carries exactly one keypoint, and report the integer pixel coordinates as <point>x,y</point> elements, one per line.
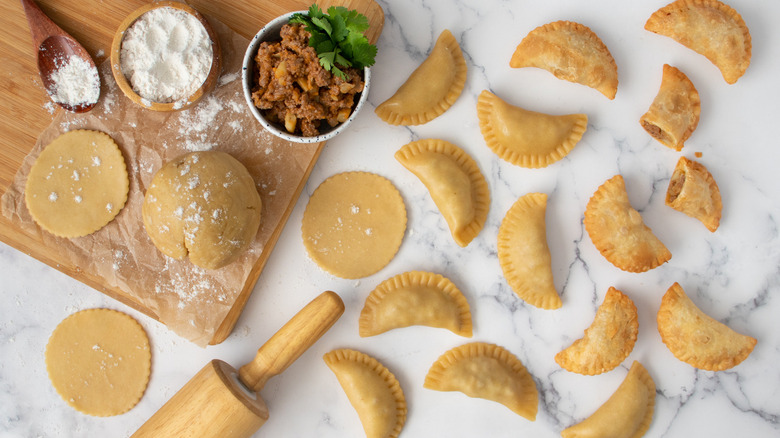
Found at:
<point>338,38</point>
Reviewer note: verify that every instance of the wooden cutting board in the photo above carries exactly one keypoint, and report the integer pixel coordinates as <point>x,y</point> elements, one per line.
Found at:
<point>93,23</point>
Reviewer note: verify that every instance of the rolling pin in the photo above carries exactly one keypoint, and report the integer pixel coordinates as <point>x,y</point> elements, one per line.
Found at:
<point>220,402</point>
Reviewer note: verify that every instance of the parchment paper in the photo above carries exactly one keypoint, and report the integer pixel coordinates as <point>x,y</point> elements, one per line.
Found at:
<point>191,301</point>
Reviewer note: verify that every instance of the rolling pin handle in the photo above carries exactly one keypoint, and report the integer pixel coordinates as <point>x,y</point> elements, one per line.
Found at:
<point>295,337</point>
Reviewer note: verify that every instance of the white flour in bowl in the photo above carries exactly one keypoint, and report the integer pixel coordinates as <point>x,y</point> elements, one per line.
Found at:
<point>166,55</point>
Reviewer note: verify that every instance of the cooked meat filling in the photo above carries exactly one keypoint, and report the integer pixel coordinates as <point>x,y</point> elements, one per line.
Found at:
<point>294,90</point>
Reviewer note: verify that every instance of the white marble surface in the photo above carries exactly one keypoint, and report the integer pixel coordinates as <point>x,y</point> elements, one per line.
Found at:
<point>731,274</point>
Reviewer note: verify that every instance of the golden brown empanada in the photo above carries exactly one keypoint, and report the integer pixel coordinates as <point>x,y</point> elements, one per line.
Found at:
<point>570,51</point>
<point>618,232</point>
<point>693,191</point>
<point>523,252</point>
<point>415,298</point>
<point>626,414</point>
<point>527,138</point>
<point>696,338</point>
<point>455,183</point>
<point>674,113</point>
<point>486,371</point>
<point>609,339</point>
<point>372,390</point>
<point>431,89</point>
<point>709,28</point>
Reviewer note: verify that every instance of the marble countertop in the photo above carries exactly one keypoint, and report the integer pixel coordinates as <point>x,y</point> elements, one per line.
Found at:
<point>731,274</point>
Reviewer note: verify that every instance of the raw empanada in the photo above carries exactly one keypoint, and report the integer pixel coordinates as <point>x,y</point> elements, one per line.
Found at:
<point>570,51</point>
<point>523,252</point>
<point>431,89</point>
<point>455,183</point>
<point>626,414</point>
<point>609,339</point>
<point>486,371</point>
<point>415,298</point>
<point>696,338</point>
<point>709,28</point>
<point>618,232</point>
<point>693,191</point>
<point>674,113</point>
<point>372,390</point>
<point>527,138</point>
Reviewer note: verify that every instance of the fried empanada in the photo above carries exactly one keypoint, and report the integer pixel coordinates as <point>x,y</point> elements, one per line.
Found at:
<point>486,371</point>
<point>431,89</point>
<point>609,339</point>
<point>674,113</point>
<point>696,338</point>
<point>372,390</point>
<point>709,28</point>
<point>626,414</point>
<point>570,51</point>
<point>415,298</point>
<point>618,232</point>
<point>693,191</point>
<point>523,252</point>
<point>527,138</point>
<point>455,183</point>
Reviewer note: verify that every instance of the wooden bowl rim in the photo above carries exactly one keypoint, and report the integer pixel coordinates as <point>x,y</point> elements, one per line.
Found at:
<point>124,84</point>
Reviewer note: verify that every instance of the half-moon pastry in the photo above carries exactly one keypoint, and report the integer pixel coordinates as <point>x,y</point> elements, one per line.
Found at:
<point>696,338</point>
<point>372,390</point>
<point>431,89</point>
<point>609,339</point>
<point>674,113</point>
<point>415,298</point>
<point>455,183</point>
<point>523,252</point>
<point>570,51</point>
<point>486,371</point>
<point>626,414</point>
<point>693,191</point>
<point>618,232</point>
<point>710,28</point>
<point>527,138</point>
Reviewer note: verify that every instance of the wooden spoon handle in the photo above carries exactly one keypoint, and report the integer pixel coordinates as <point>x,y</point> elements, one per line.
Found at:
<point>286,345</point>
<point>41,26</point>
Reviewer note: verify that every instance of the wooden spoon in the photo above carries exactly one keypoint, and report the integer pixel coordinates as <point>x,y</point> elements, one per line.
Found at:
<point>54,46</point>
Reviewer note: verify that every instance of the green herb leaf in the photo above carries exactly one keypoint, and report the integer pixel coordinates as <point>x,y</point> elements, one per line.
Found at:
<point>338,38</point>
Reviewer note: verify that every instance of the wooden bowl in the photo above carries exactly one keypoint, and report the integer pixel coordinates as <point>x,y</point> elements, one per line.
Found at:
<point>124,84</point>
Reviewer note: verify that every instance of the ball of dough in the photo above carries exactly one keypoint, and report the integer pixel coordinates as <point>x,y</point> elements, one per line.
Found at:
<point>203,205</point>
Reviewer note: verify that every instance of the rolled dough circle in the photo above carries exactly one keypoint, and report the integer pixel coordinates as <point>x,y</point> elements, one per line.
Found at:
<point>202,205</point>
<point>78,184</point>
<point>99,361</point>
<point>353,224</point>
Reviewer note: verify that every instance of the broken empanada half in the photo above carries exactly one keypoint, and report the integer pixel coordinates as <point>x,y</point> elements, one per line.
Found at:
<point>693,191</point>
<point>626,414</point>
<point>674,113</point>
<point>618,232</point>
<point>523,252</point>
<point>431,89</point>
<point>372,390</point>
<point>415,298</point>
<point>570,51</point>
<point>609,339</point>
<point>489,372</point>
<point>710,28</point>
<point>696,338</point>
<point>527,138</point>
<point>455,183</point>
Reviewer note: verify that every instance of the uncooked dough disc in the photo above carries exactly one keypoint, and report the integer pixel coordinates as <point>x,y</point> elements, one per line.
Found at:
<point>78,184</point>
<point>354,224</point>
<point>99,361</point>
